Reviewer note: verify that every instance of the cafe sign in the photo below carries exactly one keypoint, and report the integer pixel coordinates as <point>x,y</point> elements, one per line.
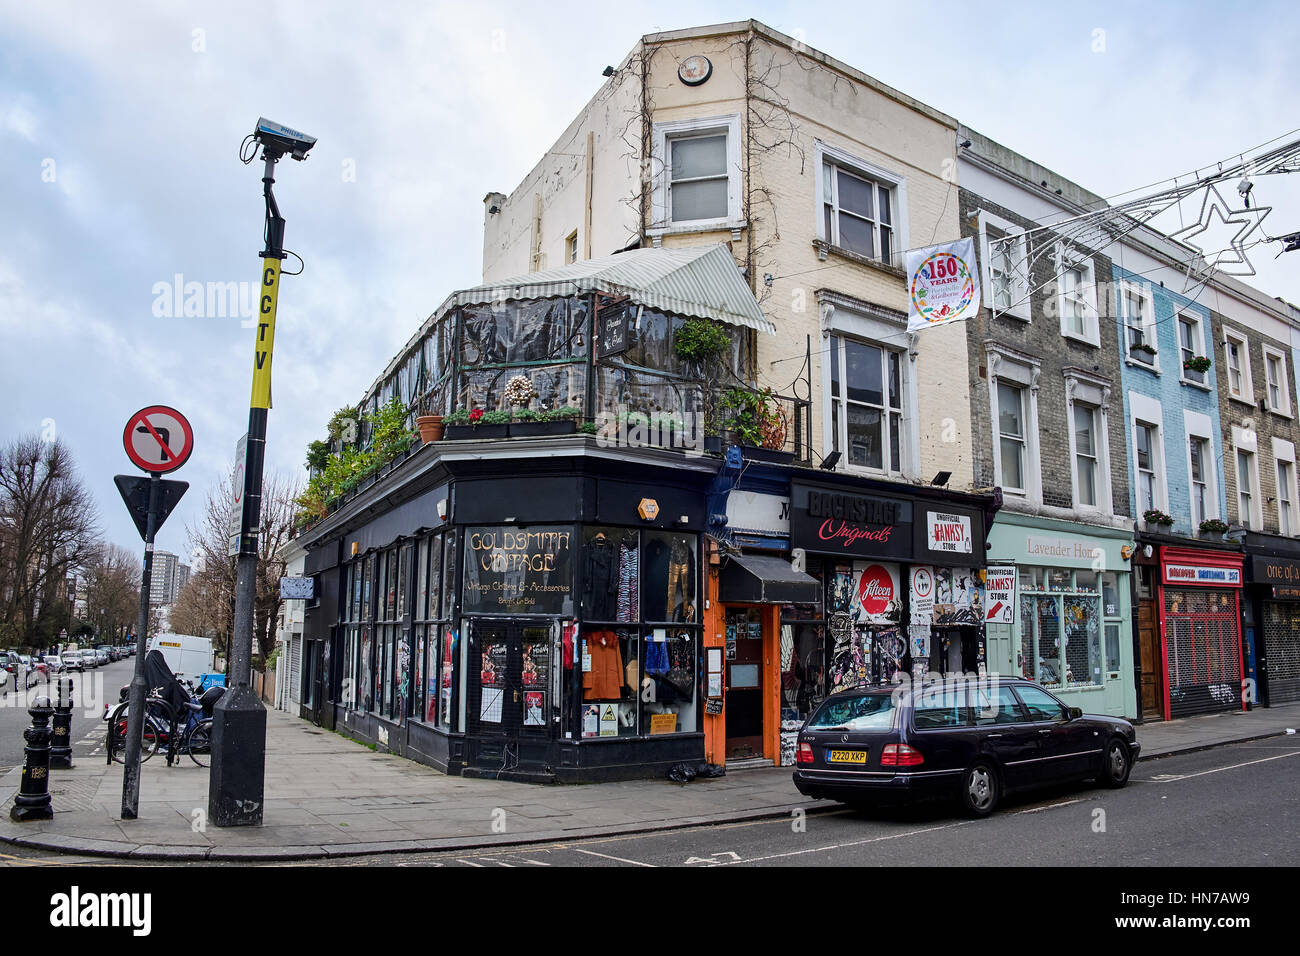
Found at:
<point>519,570</point>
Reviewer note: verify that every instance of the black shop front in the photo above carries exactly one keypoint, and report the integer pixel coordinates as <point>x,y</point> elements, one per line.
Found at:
<point>526,610</point>
<point>903,575</point>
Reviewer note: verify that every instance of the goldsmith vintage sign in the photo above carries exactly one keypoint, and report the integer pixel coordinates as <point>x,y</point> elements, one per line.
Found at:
<point>519,570</point>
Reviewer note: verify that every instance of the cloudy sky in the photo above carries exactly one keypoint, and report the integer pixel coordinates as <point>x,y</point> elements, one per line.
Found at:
<point>120,126</point>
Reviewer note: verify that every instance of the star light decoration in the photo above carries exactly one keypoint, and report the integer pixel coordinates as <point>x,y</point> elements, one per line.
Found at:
<point>1231,260</point>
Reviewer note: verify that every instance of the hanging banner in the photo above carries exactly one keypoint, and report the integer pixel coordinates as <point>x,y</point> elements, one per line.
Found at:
<point>942,284</point>
<point>1000,594</point>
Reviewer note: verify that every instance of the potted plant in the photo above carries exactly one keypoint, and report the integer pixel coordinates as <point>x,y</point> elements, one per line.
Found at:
<point>429,425</point>
<point>1200,363</point>
<point>1143,347</point>
<point>1154,517</point>
<point>755,421</point>
<point>1213,526</point>
<point>558,421</point>
<point>705,345</point>
<point>475,423</point>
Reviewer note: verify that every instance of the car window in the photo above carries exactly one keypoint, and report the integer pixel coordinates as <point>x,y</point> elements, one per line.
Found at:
<point>1041,705</point>
<point>866,712</point>
<point>997,706</point>
<point>941,705</point>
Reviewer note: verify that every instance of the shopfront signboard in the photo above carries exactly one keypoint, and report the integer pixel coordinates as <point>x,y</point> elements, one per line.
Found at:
<point>949,533</point>
<point>847,524</point>
<point>1202,575</point>
<point>513,570</point>
<point>1279,572</point>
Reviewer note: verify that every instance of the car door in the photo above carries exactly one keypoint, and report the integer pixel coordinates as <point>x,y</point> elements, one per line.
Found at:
<point>1007,733</point>
<point>1068,749</point>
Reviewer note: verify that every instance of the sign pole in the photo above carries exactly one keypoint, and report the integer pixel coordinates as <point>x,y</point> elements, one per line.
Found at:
<point>236,785</point>
<point>135,709</point>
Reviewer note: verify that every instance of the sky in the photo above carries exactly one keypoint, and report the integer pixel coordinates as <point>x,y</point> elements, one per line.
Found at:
<point>120,127</point>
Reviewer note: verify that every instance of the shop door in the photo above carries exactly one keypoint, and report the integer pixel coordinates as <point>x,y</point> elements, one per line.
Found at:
<point>744,704</point>
<point>1153,688</point>
<point>510,682</point>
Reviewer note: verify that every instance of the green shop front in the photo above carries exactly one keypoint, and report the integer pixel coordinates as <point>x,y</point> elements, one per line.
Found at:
<point>1068,624</point>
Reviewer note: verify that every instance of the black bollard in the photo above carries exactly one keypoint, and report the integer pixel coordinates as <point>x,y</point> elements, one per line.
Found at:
<point>61,746</point>
<point>33,800</point>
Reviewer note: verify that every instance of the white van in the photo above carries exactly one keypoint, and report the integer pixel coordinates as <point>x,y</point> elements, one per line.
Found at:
<point>185,654</point>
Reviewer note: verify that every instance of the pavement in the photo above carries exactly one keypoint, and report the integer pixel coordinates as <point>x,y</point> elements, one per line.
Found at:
<point>328,796</point>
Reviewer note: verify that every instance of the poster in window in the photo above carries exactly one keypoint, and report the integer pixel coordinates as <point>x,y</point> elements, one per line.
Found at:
<point>591,720</point>
<point>490,707</point>
<point>609,720</point>
<point>534,708</point>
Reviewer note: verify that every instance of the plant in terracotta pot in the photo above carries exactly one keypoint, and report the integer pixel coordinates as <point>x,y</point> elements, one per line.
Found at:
<point>427,423</point>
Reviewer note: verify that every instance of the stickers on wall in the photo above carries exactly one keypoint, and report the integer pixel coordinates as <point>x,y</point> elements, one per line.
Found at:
<point>957,597</point>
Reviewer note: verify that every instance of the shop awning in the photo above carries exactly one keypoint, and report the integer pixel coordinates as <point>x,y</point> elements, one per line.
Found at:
<point>761,579</point>
<point>699,281</point>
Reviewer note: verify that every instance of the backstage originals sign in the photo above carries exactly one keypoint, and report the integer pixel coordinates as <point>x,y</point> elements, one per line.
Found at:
<point>841,523</point>
<point>519,570</point>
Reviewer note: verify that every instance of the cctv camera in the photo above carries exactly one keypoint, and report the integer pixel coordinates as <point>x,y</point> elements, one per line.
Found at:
<point>277,140</point>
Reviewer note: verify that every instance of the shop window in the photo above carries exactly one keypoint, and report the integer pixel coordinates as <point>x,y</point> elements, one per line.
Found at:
<point>611,574</point>
<point>1060,631</point>
<point>1112,649</point>
<point>803,668</point>
<point>668,576</point>
<point>1110,602</point>
<point>611,683</point>
<point>668,696</point>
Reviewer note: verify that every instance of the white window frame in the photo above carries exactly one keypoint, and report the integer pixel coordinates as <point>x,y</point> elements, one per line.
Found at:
<point>1284,454</point>
<point>571,248</point>
<point>1127,287</point>
<point>1143,408</point>
<point>1022,372</point>
<point>1018,253</point>
<point>1071,258</point>
<point>824,153</point>
<point>661,135</point>
<point>1244,442</point>
<point>1282,407</point>
<point>1199,322</point>
<point>1247,393</point>
<point>1094,393</point>
<point>1199,425</point>
<point>843,320</point>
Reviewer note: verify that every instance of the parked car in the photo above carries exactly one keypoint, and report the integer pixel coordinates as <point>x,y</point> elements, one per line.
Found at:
<point>973,740</point>
<point>73,661</point>
<point>90,657</point>
<point>102,654</point>
<point>54,663</point>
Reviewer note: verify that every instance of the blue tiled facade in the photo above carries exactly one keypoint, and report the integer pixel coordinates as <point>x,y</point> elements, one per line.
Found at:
<point>1175,397</point>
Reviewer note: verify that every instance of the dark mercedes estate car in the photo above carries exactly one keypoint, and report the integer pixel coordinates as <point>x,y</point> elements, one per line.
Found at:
<point>973,740</point>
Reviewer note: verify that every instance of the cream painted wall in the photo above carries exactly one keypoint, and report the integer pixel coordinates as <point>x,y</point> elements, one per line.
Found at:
<point>797,98</point>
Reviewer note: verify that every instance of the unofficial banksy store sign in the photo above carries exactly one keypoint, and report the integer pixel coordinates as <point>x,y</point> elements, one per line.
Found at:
<point>519,570</point>
<point>948,532</point>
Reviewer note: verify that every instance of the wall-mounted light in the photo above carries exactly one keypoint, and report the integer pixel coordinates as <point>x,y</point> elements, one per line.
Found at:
<point>941,480</point>
<point>608,71</point>
<point>830,461</point>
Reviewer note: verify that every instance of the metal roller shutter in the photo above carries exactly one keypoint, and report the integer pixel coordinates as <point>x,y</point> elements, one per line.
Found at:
<point>1203,639</point>
<point>1282,651</point>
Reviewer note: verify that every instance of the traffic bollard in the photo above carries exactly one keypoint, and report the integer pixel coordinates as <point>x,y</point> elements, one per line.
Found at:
<point>33,799</point>
<point>61,746</point>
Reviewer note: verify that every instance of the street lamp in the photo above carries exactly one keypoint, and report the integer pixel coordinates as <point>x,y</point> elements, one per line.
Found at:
<point>236,783</point>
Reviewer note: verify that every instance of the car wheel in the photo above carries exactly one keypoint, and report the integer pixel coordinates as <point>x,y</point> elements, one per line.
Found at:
<point>979,790</point>
<point>1116,764</point>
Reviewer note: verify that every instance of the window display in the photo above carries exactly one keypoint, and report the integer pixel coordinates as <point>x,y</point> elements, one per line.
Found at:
<point>611,682</point>
<point>668,573</point>
<point>1060,630</point>
<point>668,696</point>
<point>611,575</point>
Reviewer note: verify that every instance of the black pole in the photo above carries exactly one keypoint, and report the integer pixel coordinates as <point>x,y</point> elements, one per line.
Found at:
<point>236,782</point>
<point>135,709</point>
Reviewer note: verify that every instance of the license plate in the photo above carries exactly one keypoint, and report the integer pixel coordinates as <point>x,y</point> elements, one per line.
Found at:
<point>847,756</point>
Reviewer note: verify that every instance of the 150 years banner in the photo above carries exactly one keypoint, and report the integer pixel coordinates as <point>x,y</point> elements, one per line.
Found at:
<point>942,284</point>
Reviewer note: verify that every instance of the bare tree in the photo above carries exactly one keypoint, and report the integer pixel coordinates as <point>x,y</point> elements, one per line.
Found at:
<point>206,604</point>
<point>113,592</point>
<point>48,529</point>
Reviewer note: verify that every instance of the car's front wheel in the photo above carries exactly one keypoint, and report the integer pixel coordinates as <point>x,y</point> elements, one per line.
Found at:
<point>979,790</point>
<point>1116,764</point>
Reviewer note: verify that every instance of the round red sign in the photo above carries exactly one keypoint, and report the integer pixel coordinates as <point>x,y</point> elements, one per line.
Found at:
<point>875,589</point>
<point>158,439</point>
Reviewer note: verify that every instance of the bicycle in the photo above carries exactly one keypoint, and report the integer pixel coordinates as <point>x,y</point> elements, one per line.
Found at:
<point>154,731</point>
